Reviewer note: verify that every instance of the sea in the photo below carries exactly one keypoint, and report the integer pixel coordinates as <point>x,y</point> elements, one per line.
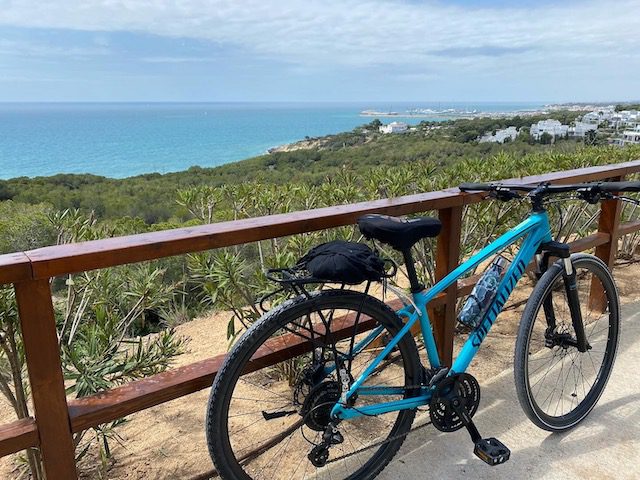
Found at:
<point>125,139</point>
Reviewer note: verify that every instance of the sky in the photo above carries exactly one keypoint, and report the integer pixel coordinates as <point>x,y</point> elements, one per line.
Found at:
<point>320,51</point>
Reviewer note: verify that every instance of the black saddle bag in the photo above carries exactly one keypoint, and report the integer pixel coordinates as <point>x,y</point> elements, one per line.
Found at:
<point>343,262</point>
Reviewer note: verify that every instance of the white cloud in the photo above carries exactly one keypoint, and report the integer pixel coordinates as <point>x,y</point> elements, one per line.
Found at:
<point>427,35</point>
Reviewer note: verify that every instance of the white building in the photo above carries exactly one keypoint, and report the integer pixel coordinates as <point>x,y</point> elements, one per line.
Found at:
<point>623,118</point>
<point>598,116</point>
<point>591,117</point>
<point>601,115</point>
<point>552,127</point>
<point>580,129</point>
<point>629,118</point>
<point>501,135</point>
<point>394,127</point>
<point>631,137</point>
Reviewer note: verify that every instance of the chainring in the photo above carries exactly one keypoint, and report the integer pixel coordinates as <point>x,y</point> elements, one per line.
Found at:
<point>463,386</point>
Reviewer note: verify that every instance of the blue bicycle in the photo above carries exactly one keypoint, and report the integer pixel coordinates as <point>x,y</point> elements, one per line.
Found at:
<point>327,385</point>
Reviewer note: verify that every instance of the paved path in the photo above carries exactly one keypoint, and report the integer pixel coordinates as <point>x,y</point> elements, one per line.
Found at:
<point>605,446</point>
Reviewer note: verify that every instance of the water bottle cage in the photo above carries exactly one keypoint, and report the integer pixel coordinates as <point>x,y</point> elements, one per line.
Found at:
<point>476,318</point>
<point>480,299</point>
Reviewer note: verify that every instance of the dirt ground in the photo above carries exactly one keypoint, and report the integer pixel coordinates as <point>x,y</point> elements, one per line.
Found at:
<point>168,441</point>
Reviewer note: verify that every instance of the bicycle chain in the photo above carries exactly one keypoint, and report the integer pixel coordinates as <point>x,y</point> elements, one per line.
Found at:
<point>434,376</point>
<point>383,442</point>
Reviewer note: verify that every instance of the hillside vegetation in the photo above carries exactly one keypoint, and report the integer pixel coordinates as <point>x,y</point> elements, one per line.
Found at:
<point>151,197</point>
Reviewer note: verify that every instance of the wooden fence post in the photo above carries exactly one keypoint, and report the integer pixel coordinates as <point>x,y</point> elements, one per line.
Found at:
<point>447,258</point>
<point>42,353</point>
<point>608,222</point>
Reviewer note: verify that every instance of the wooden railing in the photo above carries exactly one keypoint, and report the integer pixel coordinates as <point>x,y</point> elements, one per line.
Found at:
<point>57,418</point>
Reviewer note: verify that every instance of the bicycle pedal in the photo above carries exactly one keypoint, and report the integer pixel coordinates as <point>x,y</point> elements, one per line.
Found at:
<point>491,451</point>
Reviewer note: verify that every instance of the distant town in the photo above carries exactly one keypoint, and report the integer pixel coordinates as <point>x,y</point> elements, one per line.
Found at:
<point>620,127</point>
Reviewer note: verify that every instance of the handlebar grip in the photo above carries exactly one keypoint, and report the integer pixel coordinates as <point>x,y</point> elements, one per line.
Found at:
<point>619,186</point>
<point>478,187</point>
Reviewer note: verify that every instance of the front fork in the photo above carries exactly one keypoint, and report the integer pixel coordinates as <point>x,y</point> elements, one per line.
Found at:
<point>561,250</point>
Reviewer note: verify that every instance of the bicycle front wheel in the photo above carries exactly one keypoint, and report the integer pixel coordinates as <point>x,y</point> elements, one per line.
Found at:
<point>558,385</point>
<point>270,403</point>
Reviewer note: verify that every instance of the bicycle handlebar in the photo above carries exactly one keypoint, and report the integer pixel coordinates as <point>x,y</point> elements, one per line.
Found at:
<point>545,188</point>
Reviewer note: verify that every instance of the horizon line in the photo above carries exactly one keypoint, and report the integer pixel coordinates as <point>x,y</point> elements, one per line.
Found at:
<point>317,102</point>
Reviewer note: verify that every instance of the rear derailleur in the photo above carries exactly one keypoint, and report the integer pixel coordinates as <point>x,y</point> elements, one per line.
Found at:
<point>319,454</point>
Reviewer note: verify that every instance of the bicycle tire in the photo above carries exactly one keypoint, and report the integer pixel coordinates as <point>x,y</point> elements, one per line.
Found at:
<point>217,422</point>
<point>524,373</point>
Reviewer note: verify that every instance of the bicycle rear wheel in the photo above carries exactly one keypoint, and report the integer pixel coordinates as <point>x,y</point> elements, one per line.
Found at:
<point>558,385</point>
<point>271,400</point>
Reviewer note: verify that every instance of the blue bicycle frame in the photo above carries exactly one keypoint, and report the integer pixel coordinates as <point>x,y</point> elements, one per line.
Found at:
<point>533,231</point>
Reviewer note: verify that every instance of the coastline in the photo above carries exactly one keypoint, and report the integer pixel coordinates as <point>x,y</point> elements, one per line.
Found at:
<point>439,116</point>
<point>123,141</point>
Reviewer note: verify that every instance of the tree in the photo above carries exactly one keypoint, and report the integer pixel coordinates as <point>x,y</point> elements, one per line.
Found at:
<point>546,138</point>
<point>24,227</point>
<point>470,135</point>
<point>627,106</point>
<point>591,137</point>
<point>524,136</point>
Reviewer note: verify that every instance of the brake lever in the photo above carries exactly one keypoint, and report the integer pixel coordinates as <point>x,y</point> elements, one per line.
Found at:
<point>592,195</point>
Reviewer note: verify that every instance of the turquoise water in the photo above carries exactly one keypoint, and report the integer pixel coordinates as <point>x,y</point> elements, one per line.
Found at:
<point>121,140</point>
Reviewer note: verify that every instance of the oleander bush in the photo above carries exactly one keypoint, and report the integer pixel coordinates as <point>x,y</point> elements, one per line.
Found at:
<point>233,278</point>
<point>99,315</point>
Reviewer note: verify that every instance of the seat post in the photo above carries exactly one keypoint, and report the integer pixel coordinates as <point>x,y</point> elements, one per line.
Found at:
<point>416,286</point>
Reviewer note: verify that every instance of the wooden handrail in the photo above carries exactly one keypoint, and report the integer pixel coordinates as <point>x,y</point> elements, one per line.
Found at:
<point>70,258</point>
<point>18,435</point>
<point>30,272</point>
<point>14,268</point>
<point>91,411</point>
<point>629,227</point>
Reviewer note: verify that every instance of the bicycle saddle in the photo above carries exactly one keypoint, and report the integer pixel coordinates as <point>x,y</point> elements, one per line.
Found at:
<point>399,233</point>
